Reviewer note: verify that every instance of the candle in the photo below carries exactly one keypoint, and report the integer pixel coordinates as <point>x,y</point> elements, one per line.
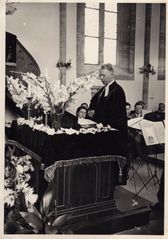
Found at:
<point>29,87</point>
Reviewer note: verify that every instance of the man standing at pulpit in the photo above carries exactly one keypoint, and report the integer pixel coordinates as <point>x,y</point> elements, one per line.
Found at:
<point>108,104</point>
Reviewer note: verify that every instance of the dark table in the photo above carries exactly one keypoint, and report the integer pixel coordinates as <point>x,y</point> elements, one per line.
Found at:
<point>84,190</point>
<point>64,147</point>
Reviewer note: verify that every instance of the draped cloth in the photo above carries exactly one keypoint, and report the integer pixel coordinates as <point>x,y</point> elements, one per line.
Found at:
<point>50,171</point>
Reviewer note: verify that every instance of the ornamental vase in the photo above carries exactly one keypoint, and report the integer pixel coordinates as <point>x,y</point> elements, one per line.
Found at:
<point>56,120</point>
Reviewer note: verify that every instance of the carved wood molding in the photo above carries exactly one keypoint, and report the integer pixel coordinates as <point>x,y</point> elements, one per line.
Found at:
<point>24,61</point>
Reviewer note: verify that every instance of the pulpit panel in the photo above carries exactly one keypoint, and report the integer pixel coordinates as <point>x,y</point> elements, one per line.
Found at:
<point>86,189</point>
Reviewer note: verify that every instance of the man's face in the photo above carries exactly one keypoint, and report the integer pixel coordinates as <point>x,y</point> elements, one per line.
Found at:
<point>161,107</point>
<point>138,109</point>
<point>128,109</point>
<point>82,113</point>
<point>106,76</point>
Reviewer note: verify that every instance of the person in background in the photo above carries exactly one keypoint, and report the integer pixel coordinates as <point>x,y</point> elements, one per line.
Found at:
<point>158,115</point>
<point>84,105</point>
<point>142,103</point>
<point>128,109</point>
<point>108,105</point>
<point>81,113</point>
<point>135,135</point>
<point>137,112</point>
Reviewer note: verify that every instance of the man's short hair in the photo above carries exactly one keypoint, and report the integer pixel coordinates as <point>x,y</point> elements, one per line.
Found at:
<point>128,104</point>
<point>107,66</point>
<point>138,103</point>
<point>160,104</point>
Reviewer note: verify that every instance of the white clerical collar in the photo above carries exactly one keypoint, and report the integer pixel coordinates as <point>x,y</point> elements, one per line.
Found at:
<point>107,88</point>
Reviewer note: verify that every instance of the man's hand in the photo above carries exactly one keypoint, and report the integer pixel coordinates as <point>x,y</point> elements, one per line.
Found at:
<point>91,113</point>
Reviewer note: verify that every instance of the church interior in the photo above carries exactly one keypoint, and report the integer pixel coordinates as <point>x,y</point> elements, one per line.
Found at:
<point>65,173</point>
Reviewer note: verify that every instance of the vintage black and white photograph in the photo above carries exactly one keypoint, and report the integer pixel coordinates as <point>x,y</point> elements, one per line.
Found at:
<point>84,148</point>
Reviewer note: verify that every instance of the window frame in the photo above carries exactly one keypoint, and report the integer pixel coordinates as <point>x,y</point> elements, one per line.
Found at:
<point>85,68</point>
<point>110,38</point>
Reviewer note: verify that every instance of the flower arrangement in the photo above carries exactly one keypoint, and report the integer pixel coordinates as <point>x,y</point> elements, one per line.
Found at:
<point>17,175</point>
<point>147,69</point>
<point>53,100</point>
<point>21,216</point>
<point>41,127</point>
<point>43,220</point>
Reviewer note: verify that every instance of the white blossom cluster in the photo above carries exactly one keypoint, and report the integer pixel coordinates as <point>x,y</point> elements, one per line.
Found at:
<point>49,131</point>
<point>16,180</point>
<point>18,91</point>
<point>54,99</point>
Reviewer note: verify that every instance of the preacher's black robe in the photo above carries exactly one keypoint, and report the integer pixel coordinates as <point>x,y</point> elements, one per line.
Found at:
<point>111,109</point>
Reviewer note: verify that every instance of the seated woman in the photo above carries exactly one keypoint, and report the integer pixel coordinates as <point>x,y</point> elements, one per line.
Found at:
<point>81,112</point>
<point>85,105</point>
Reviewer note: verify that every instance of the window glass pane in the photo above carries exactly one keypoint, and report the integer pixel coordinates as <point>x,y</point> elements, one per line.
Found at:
<point>110,25</point>
<point>111,7</point>
<point>93,5</point>
<point>91,50</point>
<point>91,22</point>
<point>110,51</point>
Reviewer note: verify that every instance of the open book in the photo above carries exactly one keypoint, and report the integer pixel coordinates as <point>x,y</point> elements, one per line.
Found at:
<point>86,122</point>
<point>135,123</point>
<point>153,132</point>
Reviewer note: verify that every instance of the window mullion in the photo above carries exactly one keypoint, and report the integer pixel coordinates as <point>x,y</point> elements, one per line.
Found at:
<point>101,33</point>
<point>91,36</point>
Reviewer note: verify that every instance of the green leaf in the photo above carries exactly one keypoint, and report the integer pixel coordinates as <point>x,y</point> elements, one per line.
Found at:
<point>46,200</point>
<point>33,220</point>
<point>59,221</point>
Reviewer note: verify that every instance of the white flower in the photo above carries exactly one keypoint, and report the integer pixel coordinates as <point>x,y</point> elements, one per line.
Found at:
<point>19,169</point>
<point>27,177</point>
<point>99,126</point>
<point>9,198</point>
<point>24,187</point>
<point>31,75</point>
<point>20,121</point>
<point>30,197</point>
<point>43,94</point>
<point>50,131</point>
<point>31,123</point>
<point>38,126</point>
<point>27,157</point>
